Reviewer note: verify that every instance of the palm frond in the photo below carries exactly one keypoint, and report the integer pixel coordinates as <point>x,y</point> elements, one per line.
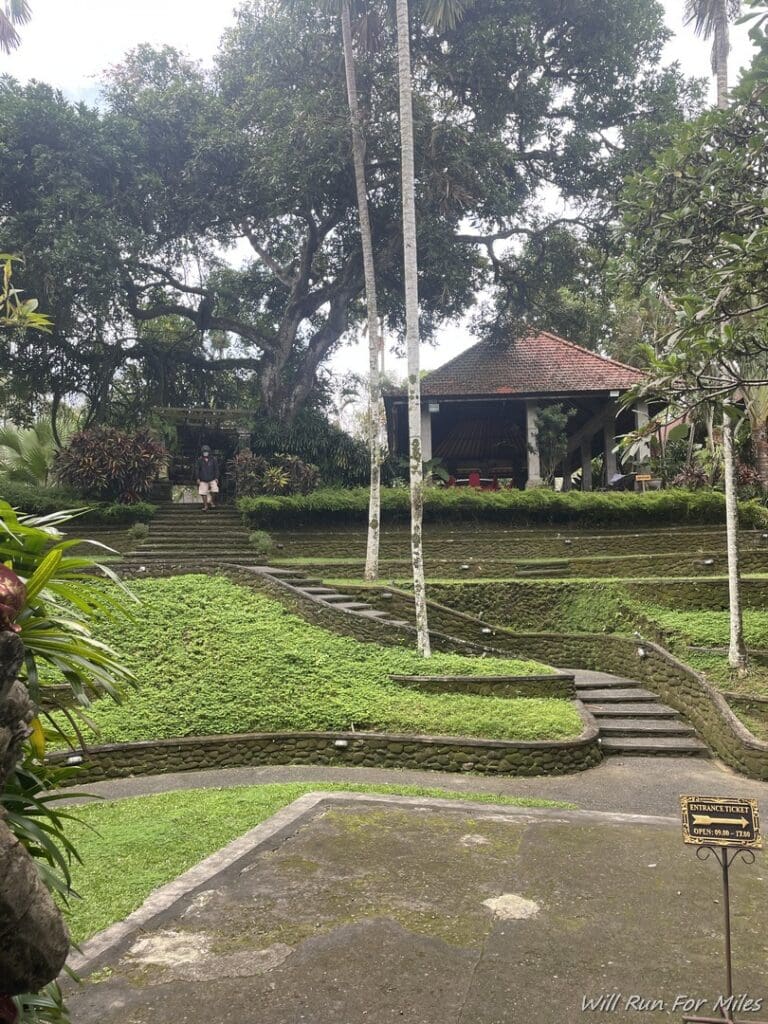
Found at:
<point>9,37</point>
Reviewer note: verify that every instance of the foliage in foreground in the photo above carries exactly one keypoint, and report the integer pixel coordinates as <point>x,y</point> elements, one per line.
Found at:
<point>48,598</point>
<point>129,847</point>
<point>678,507</point>
<point>214,657</point>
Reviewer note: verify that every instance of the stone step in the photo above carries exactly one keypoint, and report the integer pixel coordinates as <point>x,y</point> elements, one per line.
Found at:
<point>212,530</point>
<point>138,557</point>
<point>667,746</point>
<point>318,590</point>
<point>606,684</point>
<point>394,622</point>
<point>197,544</point>
<point>335,598</point>
<point>373,613</point>
<point>301,582</point>
<point>644,726</point>
<point>655,710</point>
<point>354,606</point>
<point>617,696</point>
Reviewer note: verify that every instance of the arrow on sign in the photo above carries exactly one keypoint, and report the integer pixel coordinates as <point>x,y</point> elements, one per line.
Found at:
<point>704,819</point>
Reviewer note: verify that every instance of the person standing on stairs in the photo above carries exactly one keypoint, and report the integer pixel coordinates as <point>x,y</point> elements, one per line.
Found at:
<point>207,477</point>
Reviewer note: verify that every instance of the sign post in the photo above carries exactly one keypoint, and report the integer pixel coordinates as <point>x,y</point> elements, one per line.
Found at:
<point>724,828</point>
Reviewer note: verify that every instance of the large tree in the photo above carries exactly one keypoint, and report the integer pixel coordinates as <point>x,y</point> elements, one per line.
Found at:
<point>256,154</point>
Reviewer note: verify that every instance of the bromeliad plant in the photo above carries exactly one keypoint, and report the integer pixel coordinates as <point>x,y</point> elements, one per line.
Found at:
<point>49,596</point>
<point>62,597</point>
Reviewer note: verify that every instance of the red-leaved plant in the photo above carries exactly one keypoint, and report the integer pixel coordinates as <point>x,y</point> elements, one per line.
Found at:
<point>110,464</point>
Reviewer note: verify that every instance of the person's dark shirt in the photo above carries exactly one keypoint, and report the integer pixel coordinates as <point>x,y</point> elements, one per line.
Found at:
<point>207,469</point>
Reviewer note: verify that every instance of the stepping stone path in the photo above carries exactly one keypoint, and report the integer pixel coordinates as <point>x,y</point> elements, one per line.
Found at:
<point>633,720</point>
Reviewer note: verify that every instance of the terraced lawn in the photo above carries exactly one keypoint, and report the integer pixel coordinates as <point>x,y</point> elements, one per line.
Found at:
<point>214,657</point>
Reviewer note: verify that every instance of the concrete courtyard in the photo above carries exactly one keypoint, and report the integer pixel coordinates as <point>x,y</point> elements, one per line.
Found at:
<point>353,909</point>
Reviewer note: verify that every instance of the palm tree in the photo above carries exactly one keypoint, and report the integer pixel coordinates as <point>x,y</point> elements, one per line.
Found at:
<point>710,20</point>
<point>737,649</point>
<point>410,271</point>
<point>27,453</point>
<point>12,13</point>
<point>374,338</point>
<point>438,14</point>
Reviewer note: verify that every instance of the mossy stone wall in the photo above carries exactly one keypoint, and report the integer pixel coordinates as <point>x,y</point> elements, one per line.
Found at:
<point>373,750</point>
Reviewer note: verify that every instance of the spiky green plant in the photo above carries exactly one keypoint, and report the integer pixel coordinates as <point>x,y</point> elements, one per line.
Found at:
<point>50,598</point>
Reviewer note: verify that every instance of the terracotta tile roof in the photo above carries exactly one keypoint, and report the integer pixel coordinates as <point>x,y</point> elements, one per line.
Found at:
<point>540,363</point>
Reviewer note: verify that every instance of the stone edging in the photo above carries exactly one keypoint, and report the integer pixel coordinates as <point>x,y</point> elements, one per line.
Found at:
<point>368,749</point>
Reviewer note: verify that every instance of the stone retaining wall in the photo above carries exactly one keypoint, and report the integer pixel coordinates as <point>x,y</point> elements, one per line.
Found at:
<point>374,750</point>
<point>675,683</point>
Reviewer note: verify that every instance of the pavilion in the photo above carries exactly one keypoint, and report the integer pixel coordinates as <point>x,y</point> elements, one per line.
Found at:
<point>479,410</point>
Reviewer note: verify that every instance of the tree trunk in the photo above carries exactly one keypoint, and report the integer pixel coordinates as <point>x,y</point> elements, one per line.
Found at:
<point>760,441</point>
<point>366,240</point>
<point>33,937</point>
<point>412,323</point>
<point>737,651</point>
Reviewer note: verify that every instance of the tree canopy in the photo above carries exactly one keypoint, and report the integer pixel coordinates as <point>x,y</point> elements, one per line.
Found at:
<point>128,216</point>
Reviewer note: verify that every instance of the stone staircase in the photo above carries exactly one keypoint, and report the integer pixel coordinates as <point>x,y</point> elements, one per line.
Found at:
<point>183,533</point>
<point>633,720</point>
<point>328,596</point>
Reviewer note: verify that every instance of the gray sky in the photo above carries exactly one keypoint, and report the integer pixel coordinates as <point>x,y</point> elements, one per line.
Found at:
<point>69,45</point>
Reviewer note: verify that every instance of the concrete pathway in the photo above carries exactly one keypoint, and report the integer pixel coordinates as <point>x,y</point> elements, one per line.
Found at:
<point>360,910</point>
<point>634,785</point>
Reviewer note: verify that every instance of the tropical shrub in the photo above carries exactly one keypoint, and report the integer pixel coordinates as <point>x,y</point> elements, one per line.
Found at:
<point>283,474</point>
<point>108,463</point>
<point>48,597</point>
<point>248,472</point>
<point>538,507</point>
<point>261,542</point>
<point>139,531</point>
<point>340,458</point>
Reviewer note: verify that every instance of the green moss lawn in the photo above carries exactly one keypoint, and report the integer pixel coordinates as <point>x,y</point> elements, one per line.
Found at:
<point>130,847</point>
<point>215,657</point>
<point>711,629</point>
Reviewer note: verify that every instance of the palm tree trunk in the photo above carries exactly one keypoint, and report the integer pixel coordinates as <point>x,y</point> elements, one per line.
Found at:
<point>737,651</point>
<point>760,441</point>
<point>366,240</point>
<point>412,323</point>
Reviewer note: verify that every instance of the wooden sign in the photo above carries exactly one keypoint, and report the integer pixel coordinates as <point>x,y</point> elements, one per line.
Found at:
<point>721,821</point>
<point>643,478</point>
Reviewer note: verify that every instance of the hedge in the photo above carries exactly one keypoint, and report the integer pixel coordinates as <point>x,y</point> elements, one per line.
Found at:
<point>42,501</point>
<point>534,508</point>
